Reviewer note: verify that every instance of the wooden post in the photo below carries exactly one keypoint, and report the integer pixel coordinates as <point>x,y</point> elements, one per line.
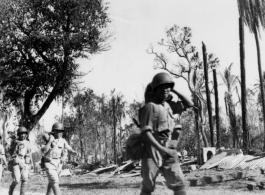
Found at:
<point>208,95</point>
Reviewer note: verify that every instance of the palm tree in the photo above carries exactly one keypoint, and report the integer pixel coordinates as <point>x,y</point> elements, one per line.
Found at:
<point>230,81</point>
<point>252,14</point>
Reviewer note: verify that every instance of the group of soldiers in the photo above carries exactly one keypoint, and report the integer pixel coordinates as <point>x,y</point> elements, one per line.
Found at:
<point>21,158</point>
<point>160,131</point>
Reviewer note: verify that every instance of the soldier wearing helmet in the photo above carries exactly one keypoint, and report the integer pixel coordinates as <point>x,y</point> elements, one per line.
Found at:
<point>53,152</point>
<point>157,126</point>
<point>21,159</point>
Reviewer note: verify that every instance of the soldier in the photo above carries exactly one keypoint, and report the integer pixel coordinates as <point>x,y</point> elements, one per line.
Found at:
<point>2,158</point>
<point>157,125</point>
<point>52,157</point>
<point>20,152</point>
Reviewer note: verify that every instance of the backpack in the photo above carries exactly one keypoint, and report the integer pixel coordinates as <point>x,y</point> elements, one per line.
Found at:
<point>135,146</point>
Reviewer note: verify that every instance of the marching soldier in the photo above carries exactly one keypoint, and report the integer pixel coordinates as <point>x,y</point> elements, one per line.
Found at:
<point>157,125</point>
<point>20,152</point>
<point>53,151</point>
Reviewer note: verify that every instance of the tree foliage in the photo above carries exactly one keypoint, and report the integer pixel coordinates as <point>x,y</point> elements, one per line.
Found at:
<point>39,44</point>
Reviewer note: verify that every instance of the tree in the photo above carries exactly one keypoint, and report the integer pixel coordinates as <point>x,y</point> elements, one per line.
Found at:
<point>230,82</point>
<point>118,112</point>
<point>252,15</point>
<point>39,44</point>
<point>208,94</point>
<point>216,96</point>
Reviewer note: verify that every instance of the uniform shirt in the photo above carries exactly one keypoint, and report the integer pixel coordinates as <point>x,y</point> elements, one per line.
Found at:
<point>57,147</point>
<point>157,117</point>
<point>22,148</point>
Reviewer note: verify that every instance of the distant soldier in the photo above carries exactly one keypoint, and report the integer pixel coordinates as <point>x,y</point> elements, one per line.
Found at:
<point>2,158</point>
<point>53,151</point>
<point>157,125</point>
<point>20,152</point>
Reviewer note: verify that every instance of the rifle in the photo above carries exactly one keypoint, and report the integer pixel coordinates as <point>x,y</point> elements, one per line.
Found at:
<point>136,123</point>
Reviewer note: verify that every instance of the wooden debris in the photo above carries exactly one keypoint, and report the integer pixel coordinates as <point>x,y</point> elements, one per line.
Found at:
<point>189,162</point>
<point>123,167</point>
<point>104,169</point>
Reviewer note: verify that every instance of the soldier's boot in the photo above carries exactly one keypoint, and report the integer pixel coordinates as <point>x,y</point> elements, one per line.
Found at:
<point>23,188</point>
<point>12,187</point>
<point>49,189</point>
<point>56,189</point>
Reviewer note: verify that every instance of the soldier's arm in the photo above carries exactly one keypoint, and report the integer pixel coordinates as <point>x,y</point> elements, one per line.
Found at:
<point>47,147</point>
<point>69,148</point>
<point>184,98</point>
<point>148,137</point>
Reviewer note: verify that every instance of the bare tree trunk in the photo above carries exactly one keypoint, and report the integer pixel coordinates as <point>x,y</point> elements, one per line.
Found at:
<point>82,149</point>
<point>114,128</point>
<point>208,95</point>
<point>243,86</point>
<point>218,145</point>
<point>106,146</point>
<point>202,122</point>
<point>197,130</point>
<point>261,81</point>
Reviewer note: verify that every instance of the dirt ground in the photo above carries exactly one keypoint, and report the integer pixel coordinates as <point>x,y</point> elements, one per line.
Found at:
<point>102,185</point>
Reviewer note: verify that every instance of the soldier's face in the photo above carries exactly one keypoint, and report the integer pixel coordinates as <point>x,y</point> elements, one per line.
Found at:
<point>58,134</point>
<point>163,91</point>
<point>22,136</point>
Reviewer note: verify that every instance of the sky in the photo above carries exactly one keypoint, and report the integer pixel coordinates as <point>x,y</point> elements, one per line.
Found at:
<point>136,24</point>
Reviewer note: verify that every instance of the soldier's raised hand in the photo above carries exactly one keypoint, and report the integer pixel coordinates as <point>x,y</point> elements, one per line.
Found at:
<point>51,137</point>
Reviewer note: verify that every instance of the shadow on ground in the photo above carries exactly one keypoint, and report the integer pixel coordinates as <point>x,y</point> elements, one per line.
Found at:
<point>99,185</point>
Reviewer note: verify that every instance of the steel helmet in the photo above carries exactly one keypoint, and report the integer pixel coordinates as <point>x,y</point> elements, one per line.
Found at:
<point>22,130</point>
<point>162,78</point>
<point>58,126</point>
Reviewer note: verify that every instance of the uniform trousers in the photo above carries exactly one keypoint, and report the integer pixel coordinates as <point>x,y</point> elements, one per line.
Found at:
<point>20,172</point>
<point>170,169</point>
<point>52,169</point>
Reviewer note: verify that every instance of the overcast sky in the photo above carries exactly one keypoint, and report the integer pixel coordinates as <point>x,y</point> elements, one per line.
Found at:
<point>136,24</point>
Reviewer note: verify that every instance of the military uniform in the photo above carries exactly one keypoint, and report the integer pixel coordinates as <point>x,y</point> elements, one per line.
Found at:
<point>20,161</point>
<point>52,163</point>
<point>157,118</point>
